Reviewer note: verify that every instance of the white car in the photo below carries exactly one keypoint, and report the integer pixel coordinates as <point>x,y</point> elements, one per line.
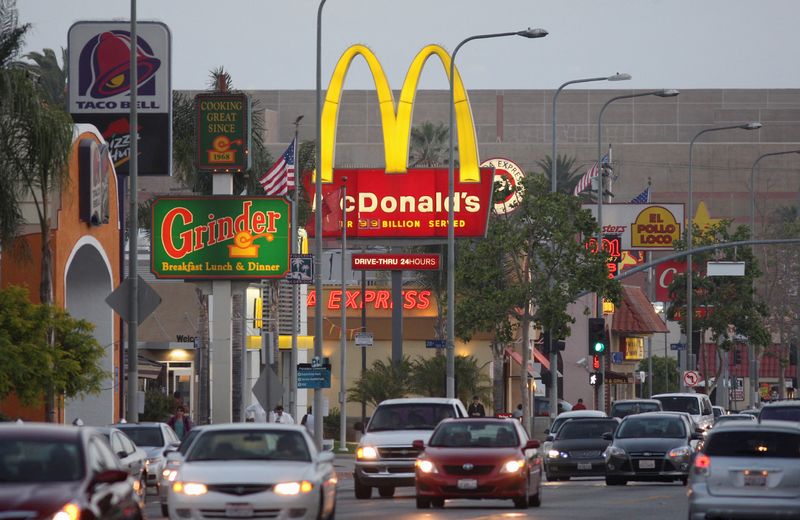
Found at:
<point>254,470</point>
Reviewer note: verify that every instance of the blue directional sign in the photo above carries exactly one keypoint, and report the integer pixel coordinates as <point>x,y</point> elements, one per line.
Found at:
<point>435,343</point>
<point>677,346</point>
<point>309,376</point>
<point>616,357</point>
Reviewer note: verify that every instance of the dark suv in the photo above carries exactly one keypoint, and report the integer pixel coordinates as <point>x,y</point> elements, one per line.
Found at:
<point>781,411</point>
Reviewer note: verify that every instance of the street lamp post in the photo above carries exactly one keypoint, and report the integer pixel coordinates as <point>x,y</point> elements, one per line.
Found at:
<point>753,368</point>
<point>600,192</point>
<point>343,332</point>
<point>317,407</point>
<point>690,229</point>
<point>450,361</point>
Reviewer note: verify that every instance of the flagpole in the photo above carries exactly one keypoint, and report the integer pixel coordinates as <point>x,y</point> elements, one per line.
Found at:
<point>295,287</point>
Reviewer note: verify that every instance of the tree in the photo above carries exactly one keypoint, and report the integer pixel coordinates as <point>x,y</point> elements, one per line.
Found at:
<point>567,174</point>
<point>384,380</point>
<point>429,145</point>
<point>543,262</point>
<point>50,76</point>
<point>729,303</point>
<point>31,364</point>
<point>665,373</point>
<point>428,376</point>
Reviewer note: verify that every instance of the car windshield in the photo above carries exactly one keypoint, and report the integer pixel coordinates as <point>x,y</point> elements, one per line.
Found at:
<point>188,440</point>
<point>411,416</point>
<point>760,444</point>
<point>731,418</point>
<point>680,403</point>
<point>623,410</point>
<point>780,413</point>
<point>651,427</point>
<point>24,460</point>
<point>478,434</point>
<point>586,429</point>
<point>250,445</point>
<point>144,435</point>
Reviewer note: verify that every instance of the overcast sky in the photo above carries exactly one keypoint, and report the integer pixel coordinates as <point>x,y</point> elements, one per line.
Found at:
<point>271,44</point>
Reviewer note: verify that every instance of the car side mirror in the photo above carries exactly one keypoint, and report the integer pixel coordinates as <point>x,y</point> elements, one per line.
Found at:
<point>325,456</point>
<point>608,436</point>
<point>418,444</point>
<point>122,454</point>
<point>109,477</point>
<point>532,444</point>
<point>550,438</point>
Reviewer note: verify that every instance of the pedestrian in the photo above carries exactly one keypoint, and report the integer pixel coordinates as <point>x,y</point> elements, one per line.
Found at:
<point>517,413</point>
<point>476,408</point>
<point>281,417</point>
<point>177,401</point>
<point>308,421</point>
<point>579,405</point>
<point>180,422</point>
<point>255,413</point>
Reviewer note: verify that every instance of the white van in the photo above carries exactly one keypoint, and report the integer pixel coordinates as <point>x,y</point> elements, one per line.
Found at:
<point>696,405</point>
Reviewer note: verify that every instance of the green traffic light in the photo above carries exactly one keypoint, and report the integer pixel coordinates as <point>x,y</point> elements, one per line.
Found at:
<point>599,347</point>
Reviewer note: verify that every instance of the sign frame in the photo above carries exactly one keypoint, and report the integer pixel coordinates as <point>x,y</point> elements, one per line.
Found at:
<point>621,219</point>
<point>222,143</point>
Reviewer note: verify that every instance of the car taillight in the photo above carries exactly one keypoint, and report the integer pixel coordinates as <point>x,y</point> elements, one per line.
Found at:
<point>702,463</point>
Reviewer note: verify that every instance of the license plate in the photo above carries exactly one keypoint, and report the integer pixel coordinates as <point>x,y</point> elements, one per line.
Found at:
<point>238,510</point>
<point>647,464</point>
<point>755,480</point>
<point>467,483</point>
<point>584,465</point>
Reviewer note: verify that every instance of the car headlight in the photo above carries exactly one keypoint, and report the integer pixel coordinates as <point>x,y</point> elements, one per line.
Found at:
<point>513,466</point>
<point>425,466</point>
<point>682,452</point>
<point>293,488</point>
<point>169,474</point>
<point>615,451</point>
<point>554,454</point>
<point>153,460</point>
<point>68,512</point>
<point>366,453</point>
<point>191,489</point>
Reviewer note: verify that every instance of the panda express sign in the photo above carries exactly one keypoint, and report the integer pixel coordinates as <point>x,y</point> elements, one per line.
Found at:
<point>399,202</point>
<point>220,237</point>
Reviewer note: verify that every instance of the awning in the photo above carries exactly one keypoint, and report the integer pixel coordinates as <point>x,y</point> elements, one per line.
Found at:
<point>616,378</point>
<point>149,369</point>
<point>635,315</point>
<point>538,357</point>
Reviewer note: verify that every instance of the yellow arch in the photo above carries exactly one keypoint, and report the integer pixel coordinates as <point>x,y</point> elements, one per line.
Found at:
<point>396,124</point>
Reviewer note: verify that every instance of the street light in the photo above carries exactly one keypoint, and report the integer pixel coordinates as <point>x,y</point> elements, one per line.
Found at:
<point>451,283</point>
<point>664,93</point>
<point>753,369</point>
<point>615,77</point>
<point>690,228</point>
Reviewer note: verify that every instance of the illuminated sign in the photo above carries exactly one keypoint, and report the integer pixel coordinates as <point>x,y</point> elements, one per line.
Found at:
<point>220,237</point>
<point>646,227</point>
<point>508,178</point>
<point>374,298</point>
<point>634,349</point>
<point>382,205</point>
<point>223,132</point>
<point>93,173</point>
<point>377,262</point>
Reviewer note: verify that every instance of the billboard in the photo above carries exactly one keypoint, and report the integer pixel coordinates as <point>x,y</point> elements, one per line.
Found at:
<point>220,237</point>
<point>99,88</point>
<point>223,132</point>
<point>643,227</point>
<point>509,176</point>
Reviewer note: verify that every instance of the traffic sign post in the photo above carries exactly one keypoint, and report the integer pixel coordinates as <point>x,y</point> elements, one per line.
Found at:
<point>309,376</point>
<point>435,343</point>
<point>691,378</point>
<point>364,339</point>
<point>677,346</point>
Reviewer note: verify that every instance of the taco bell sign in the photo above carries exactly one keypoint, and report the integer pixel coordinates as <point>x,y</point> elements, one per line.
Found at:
<point>99,89</point>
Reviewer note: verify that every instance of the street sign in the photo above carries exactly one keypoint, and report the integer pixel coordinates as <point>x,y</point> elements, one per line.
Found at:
<point>677,346</point>
<point>435,343</point>
<point>616,357</point>
<point>691,378</point>
<point>363,339</point>
<point>148,299</point>
<point>302,269</point>
<point>313,376</point>
<point>268,388</point>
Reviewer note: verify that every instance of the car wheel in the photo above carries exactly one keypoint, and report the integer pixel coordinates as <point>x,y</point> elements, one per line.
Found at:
<point>423,503</point>
<point>684,480</point>
<point>362,491</point>
<point>615,481</point>
<point>536,500</point>
<point>437,502</point>
<point>386,491</point>
<point>521,502</point>
<point>164,510</point>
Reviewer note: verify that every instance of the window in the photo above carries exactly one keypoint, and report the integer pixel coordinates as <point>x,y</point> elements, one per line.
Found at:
<point>761,444</point>
<point>780,413</point>
<point>145,435</point>
<point>475,434</point>
<point>582,429</point>
<point>681,403</point>
<point>411,416</point>
<point>637,426</point>
<point>250,445</point>
<point>32,460</point>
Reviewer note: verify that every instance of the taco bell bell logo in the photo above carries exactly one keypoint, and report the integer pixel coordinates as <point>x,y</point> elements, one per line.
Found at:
<point>104,65</point>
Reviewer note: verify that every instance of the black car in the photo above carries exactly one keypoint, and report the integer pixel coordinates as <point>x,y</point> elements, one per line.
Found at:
<point>578,447</point>
<point>64,472</point>
<point>650,446</point>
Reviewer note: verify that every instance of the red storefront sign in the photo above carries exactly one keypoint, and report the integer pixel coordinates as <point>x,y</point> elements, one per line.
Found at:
<point>402,205</point>
<point>373,298</point>
<point>665,273</point>
<point>410,262</point>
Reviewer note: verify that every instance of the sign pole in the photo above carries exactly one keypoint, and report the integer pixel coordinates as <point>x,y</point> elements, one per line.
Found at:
<point>343,332</point>
<point>295,288</point>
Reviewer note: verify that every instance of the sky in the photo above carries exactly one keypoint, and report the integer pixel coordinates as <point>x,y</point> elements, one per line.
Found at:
<point>271,44</point>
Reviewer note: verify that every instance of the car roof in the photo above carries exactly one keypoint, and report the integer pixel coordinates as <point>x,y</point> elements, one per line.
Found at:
<point>781,404</point>
<point>659,414</point>
<point>132,424</point>
<point>421,400</point>
<point>747,426</point>
<point>623,401</point>
<point>582,413</point>
<point>42,430</point>
<point>253,426</point>
<point>498,420</point>
<point>680,394</point>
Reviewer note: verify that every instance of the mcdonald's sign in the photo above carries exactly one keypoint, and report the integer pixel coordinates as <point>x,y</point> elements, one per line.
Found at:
<point>399,202</point>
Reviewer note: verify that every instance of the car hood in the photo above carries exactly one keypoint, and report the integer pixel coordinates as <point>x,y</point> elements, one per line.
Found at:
<point>472,455</point>
<point>244,471</point>
<point>648,444</point>
<point>579,444</point>
<point>395,437</point>
<point>45,498</point>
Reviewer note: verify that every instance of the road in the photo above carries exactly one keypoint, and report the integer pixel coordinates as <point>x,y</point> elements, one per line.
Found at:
<point>582,499</point>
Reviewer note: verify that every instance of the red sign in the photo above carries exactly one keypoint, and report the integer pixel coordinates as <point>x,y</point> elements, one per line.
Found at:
<point>665,273</point>
<point>402,205</point>
<point>374,262</point>
<point>375,298</point>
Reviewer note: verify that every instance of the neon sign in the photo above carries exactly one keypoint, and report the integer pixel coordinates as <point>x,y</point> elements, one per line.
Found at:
<point>374,298</point>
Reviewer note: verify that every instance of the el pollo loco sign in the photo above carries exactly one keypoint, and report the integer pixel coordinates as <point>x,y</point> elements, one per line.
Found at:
<point>398,202</point>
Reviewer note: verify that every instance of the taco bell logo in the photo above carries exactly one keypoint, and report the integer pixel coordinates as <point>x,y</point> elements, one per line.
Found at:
<point>104,66</point>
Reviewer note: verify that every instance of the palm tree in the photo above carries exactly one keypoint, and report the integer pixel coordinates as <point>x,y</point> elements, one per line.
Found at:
<point>429,145</point>
<point>49,74</point>
<point>428,378</point>
<point>384,380</point>
<point>567,174</point>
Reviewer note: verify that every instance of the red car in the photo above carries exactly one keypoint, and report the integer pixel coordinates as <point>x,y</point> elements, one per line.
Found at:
<point>479,458</point>
<point>56,472</point>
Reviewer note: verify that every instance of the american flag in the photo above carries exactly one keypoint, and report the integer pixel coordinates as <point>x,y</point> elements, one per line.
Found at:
<point>280,177</point>
<point>586,180</point>
<point>643,197</point>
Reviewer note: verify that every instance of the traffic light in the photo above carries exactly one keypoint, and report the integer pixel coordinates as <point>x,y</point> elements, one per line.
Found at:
<point>596,362</point>
<point>596,378</point>
<point>597,336</point>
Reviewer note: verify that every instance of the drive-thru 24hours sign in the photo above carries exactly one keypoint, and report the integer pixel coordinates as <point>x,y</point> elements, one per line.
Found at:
<point>220,237</point>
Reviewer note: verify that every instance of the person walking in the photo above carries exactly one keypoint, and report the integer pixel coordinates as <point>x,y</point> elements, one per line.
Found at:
<point>517,413</point>
<point>308,421</point>
<point>476,408</point>
<point>579,405</point>
<point>180,422</point>
<point>281,417</point>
